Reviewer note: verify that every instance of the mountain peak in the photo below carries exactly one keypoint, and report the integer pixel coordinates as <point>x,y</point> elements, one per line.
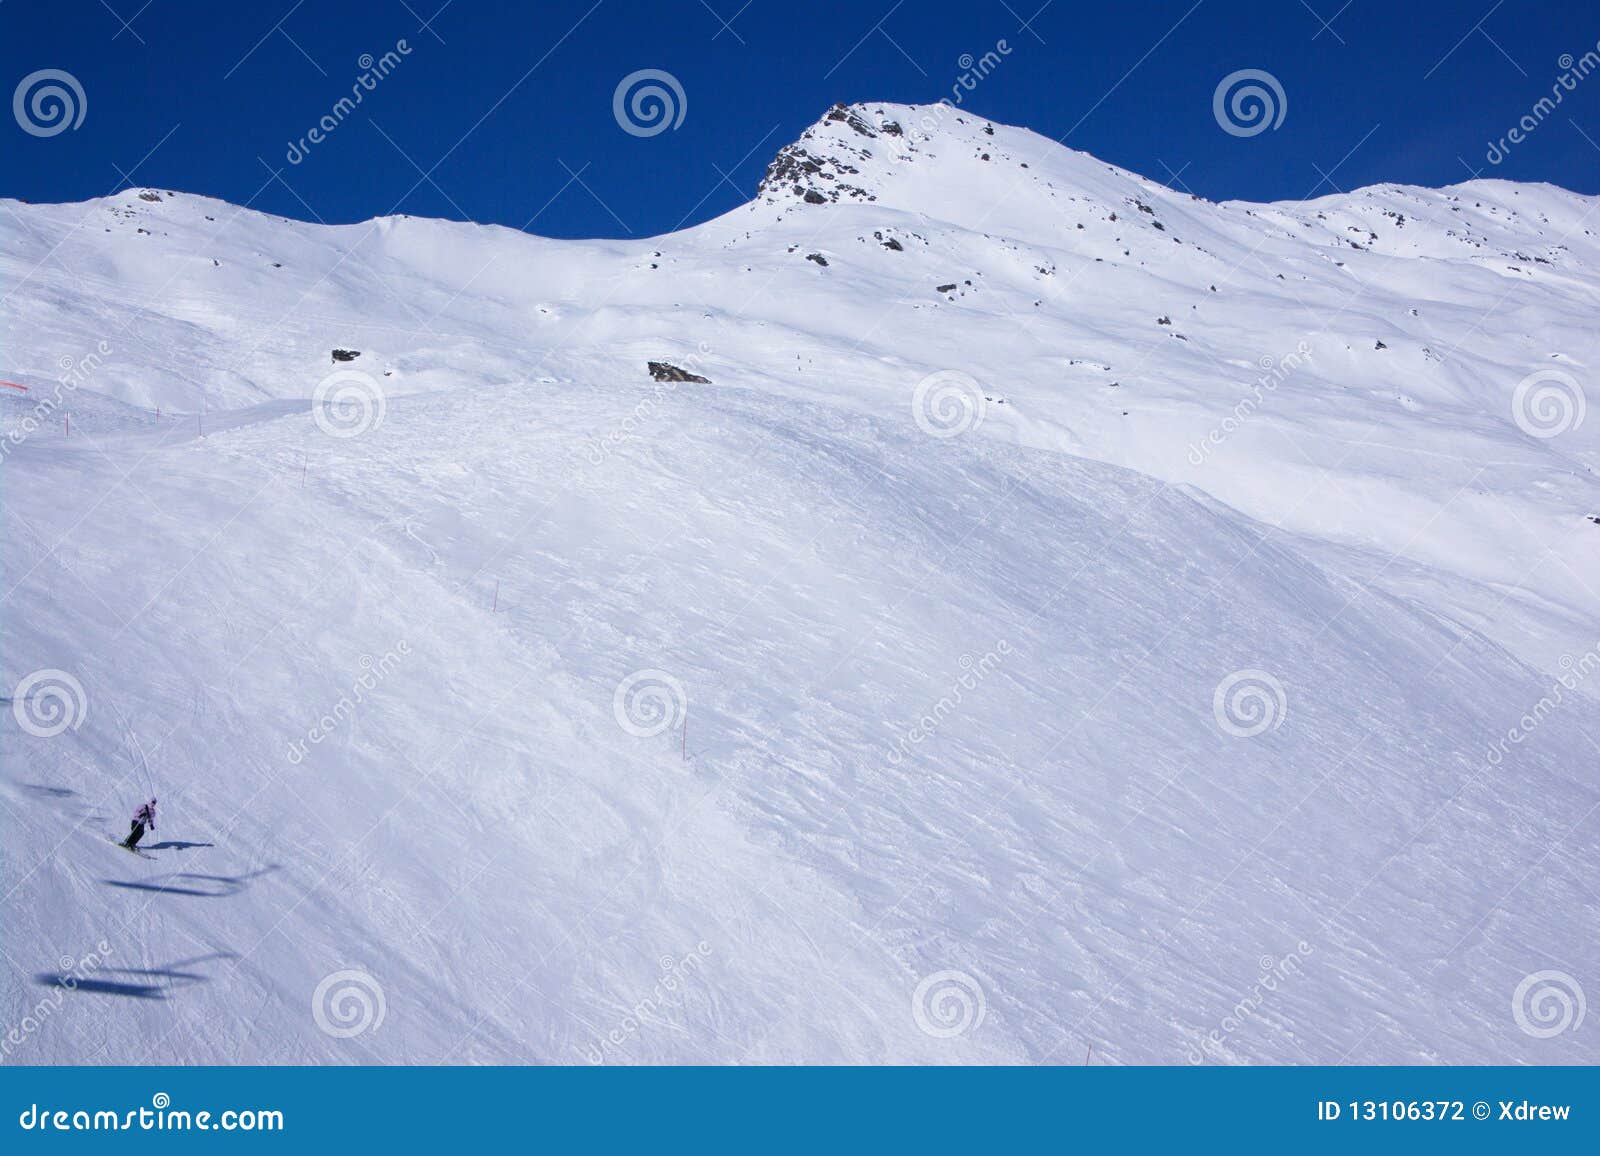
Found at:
<point>846,155</point>
<point>940,161</point>
<point>817,168</point>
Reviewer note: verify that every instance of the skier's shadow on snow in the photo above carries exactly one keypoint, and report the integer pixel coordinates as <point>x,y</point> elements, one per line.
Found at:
<point>174,845</point>
<point>159,981</point>
<point>199,886</point>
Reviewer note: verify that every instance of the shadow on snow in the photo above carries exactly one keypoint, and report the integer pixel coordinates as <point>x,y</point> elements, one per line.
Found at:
<point>199,886</point>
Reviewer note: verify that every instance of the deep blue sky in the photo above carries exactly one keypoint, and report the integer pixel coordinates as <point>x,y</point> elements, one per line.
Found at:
<point>189,95</point>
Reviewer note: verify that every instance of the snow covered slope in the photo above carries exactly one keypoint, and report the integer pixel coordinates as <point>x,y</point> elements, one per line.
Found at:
<point>886,696</point>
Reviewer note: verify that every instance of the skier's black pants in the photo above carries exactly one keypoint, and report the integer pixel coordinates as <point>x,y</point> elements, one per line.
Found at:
<point>134,834</point>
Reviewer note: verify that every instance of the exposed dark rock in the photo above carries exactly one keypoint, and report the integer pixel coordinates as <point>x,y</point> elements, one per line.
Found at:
<point>797,171</point>
<point>849,116</point>
<point>665,371</point>
<point>818,258</point>
<point>950,288</point>
<point>346,354</point>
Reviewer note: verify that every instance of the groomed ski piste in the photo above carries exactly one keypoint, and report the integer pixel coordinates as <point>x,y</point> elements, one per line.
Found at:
<point>1071,620</point>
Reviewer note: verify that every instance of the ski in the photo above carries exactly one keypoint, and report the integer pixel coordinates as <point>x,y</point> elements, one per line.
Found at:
<point>130,850</point>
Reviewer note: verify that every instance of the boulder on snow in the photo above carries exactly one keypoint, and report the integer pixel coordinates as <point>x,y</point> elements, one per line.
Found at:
<point>346,354</point>
<point>665,371</point>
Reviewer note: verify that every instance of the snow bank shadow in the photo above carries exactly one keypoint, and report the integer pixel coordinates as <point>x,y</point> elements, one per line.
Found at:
<point>199,886</point>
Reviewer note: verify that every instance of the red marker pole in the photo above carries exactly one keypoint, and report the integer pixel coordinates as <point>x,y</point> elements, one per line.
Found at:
<point>496,608</point>
<point>69,425</point>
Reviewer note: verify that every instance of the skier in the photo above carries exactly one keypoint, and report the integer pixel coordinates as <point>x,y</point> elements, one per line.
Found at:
<point>144,817</point>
